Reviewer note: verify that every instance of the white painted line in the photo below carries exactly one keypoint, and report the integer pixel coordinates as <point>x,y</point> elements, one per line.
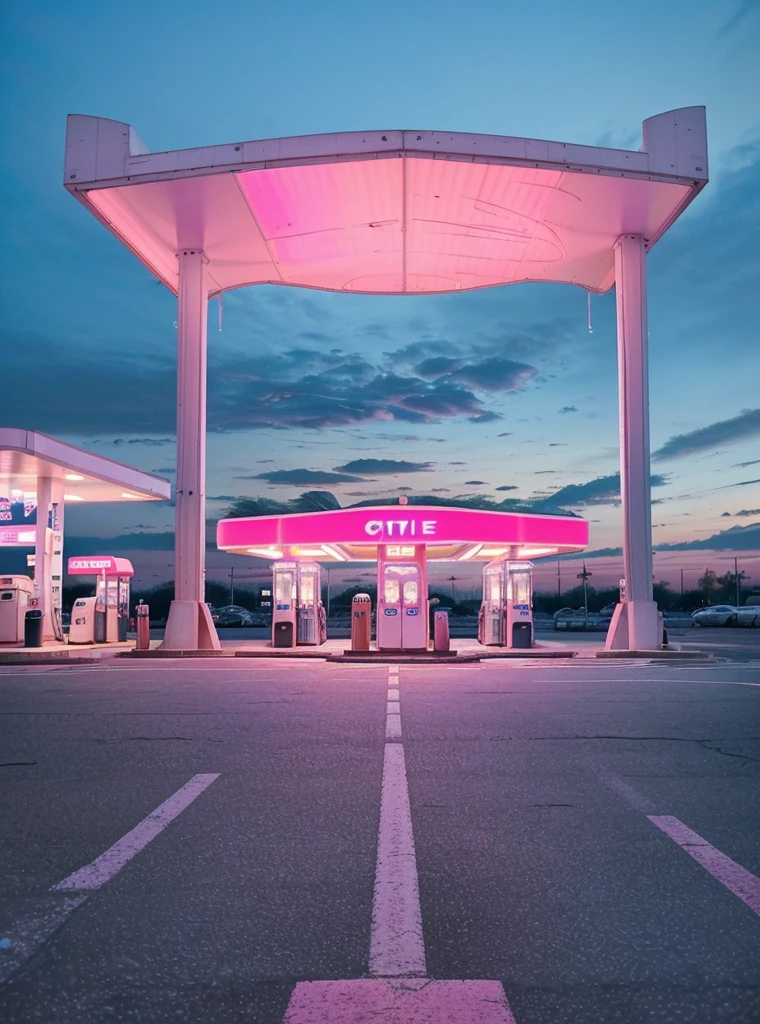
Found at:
<point>393,727</point>
<point>628,793</point>
<point>394,708</point>
<point>741,882</point>
<point>408,1001</point>
<point>393,695</point>
<point>104,867</point>
<point>396,945</point>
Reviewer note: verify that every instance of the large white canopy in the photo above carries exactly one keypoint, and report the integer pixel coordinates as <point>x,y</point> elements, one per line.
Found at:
<point>388,211</point>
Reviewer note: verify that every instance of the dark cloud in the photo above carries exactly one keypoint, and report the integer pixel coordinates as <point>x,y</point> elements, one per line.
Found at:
<point>507,433</point>
<point>747,424</point>
<point>741,483</point>
<point>496,374</point>
<point>748,512</point>
<point>605,490</point>
<point>475,483</point>
<point>384,466</point>
<point>743,465</point>
<point>737,538</point>
<point>568,408</point>
<point>507,487</point>
<point>303,477</point>
<point>220,497</point>
<point>558,444</point>
<point>437,366</point>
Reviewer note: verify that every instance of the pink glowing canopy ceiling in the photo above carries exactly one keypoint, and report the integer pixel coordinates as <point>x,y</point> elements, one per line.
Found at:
<point>449,534</point>
<point>388,211</point>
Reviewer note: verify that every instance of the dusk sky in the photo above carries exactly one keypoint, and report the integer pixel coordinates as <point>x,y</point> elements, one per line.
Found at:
<point>502,393</point>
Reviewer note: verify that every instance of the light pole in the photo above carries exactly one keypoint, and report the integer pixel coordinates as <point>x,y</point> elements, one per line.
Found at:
<point>559,579</point>
<point>452,580</point>
<point>584,575</point>
<point>232,584</point>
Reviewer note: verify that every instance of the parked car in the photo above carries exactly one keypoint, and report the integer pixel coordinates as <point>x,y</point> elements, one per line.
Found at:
<point>232,615</point>
<point>716,615</point>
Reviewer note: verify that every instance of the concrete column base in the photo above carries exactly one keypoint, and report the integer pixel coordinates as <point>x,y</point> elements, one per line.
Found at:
<point>190,628</point>
<point>635,626</point>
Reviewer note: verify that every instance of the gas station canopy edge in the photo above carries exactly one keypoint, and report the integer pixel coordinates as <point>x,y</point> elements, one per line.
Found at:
<point>449,534</point>
<point>26,455</point>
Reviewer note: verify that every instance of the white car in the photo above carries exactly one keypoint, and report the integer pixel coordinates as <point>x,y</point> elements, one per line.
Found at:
<point>726,615</point>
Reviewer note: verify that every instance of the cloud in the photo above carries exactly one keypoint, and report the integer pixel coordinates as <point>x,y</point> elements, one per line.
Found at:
<point>568,408</point>
<point>475,483</point>
<point>743,465</point>
<point>604,490</point>
<point>748,512</point>
<point>746,424</point>
<point>486,417</point>
<point>507,433</point>
<point>507,487</point>
<point>303,477</point>
<point>737,538</point>
<point>384,466</point>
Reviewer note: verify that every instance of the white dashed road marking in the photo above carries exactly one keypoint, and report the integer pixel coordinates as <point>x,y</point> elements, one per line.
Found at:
<point>398,992</point>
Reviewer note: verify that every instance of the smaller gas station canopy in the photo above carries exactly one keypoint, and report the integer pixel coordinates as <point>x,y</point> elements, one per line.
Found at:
<point>26,455</point>
<point>449,534</point>
<point>387,212</point>
<point>101,565</point>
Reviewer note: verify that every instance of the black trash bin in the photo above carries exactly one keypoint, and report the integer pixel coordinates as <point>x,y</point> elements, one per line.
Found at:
<point>33,628</point>
<point>522,634</point>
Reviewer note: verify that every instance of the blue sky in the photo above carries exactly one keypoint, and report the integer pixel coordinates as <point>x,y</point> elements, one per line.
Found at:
<point>529,405</point>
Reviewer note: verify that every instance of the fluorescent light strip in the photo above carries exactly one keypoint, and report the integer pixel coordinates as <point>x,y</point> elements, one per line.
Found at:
<point>471,552</point>
<point>334,553</point>
<point>73,497</point>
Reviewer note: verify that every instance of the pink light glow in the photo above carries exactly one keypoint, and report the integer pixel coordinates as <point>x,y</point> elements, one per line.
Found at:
<point>432,525</point>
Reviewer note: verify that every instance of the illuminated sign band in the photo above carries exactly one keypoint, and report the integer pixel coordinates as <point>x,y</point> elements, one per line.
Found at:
<point>401,527</point>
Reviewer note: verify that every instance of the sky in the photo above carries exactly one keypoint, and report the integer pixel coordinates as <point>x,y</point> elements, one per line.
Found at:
<point>503,393</point>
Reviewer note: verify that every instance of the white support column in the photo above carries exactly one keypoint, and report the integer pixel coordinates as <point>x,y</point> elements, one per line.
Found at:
<point>42,555</point>
<point>53,619</point>
<point>189,626</point>
<point>635,625</point>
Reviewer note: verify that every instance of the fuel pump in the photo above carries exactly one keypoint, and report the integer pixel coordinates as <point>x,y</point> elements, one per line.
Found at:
<point>16,595</point>
<point>311,626</point>
<point>519,604</point>
<point>506,613</point>
<point>491,621</point>
<point>103,618</point>
<point>285,586</point>
<point>402,597</point>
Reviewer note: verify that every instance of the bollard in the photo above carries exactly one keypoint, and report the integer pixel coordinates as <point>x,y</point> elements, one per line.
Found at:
<point>441,631</point>
<point>361,622</point>
<point>143,628</point>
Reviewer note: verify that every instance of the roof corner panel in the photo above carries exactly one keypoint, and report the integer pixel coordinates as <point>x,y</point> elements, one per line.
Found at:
<point>388,211</point>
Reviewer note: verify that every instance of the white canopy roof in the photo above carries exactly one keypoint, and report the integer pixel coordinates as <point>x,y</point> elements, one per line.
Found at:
<point>26,455</point>
<point>388,211</point>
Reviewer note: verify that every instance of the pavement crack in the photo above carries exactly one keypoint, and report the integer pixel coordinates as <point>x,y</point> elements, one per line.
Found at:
<point>726,753</point>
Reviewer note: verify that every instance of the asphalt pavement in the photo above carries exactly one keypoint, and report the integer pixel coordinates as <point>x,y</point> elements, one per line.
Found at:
<point>581,837</point>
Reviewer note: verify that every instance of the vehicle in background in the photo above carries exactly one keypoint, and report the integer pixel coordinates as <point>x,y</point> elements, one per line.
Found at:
<point>726,615</point>
<point>232,615</point>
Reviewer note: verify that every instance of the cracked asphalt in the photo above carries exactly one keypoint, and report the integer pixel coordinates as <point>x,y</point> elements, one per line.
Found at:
<point>530,790</point>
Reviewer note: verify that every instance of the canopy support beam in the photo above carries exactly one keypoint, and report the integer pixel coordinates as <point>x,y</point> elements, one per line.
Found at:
<point>189,626</point>
<point>635,624</point>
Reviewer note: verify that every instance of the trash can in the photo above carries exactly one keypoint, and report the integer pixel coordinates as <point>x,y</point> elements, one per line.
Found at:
<point>283,635</point>
<point>522,634</point>
<point>361,622</point>
<point>33,628</point>
<point>441,630</point>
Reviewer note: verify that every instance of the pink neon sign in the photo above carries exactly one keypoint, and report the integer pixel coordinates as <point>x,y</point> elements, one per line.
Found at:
<point>394,523</point>
<point>94,565</point>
